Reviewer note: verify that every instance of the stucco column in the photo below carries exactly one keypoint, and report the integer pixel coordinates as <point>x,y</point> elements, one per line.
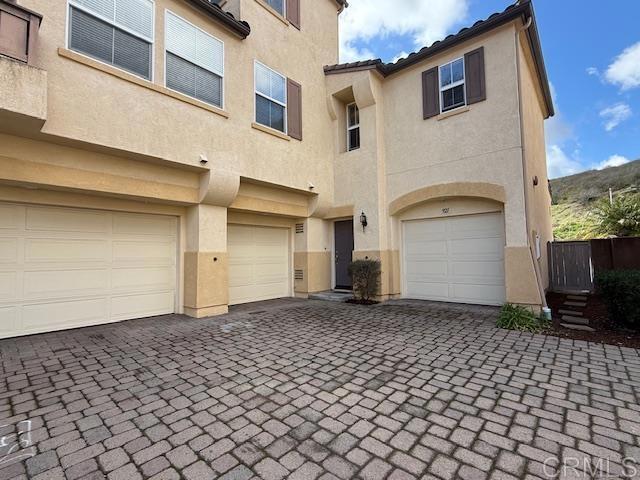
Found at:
<point>206,291</point>
<point>312,257</point>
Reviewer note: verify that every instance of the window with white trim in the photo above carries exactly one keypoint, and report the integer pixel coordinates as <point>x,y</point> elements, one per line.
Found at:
<point>271,98</point>
<point>194,61</point>
<point>117,32</point>
<point>353,127</point>
<point>277,5</point>
<point>452,90</point>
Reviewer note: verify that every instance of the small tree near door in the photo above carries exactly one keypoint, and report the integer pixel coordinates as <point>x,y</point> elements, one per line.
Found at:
<point>365,275</point>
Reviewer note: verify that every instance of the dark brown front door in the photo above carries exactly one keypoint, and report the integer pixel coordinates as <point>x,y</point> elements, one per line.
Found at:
<point>344,252</point>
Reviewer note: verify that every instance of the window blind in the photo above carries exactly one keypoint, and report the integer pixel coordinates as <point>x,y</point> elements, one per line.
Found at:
<point>195,61</point>
<point>118,32</point>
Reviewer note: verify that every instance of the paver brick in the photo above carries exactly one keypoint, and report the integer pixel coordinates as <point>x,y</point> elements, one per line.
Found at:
<point>404,391</point>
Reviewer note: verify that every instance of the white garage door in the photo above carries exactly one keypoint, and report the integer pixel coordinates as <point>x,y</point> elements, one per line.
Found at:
<point>65,268</point>
<point>258,263</point>
<point>455,259</point>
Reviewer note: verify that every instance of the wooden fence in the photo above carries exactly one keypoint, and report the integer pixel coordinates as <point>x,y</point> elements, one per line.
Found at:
<point>616,254</point>
<point>570,267</point>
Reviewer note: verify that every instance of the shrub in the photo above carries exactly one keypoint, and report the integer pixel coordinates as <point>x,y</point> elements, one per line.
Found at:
<point>516,317</point>
<point>365,275</point>
<point>620,290</point>
<point>620,217</point>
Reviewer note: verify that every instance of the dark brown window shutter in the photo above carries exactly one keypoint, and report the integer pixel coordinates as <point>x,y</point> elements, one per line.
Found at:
<point>430,93</point>
<point>293,12</point>
<point>475,77</point>
<point>294,109</point>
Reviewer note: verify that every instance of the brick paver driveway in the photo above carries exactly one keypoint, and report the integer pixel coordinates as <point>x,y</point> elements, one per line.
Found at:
<point>307,390</point>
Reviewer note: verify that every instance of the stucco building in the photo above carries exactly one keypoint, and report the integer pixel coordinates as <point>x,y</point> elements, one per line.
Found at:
<point>161,156</point>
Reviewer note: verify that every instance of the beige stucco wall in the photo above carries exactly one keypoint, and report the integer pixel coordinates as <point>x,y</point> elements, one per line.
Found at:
<point>115,141</point>
<point>99,109</point>
<point>538,197</point>
<point>467,161</point>
<point>102,138</point>
<point>481,144</point>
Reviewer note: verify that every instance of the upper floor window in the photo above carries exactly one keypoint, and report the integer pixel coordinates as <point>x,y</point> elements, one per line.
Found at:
<point>194,61</point>
<point>452,90</point>
<point>271,98</point>
<point>117,32</point>
<point>277,5</point>
<point>353,127</point>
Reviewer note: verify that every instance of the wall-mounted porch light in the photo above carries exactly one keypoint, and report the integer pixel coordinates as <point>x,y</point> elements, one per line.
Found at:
<point>363,221</point>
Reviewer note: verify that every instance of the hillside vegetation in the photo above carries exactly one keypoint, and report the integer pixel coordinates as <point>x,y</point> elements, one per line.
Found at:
<point>574,197</point>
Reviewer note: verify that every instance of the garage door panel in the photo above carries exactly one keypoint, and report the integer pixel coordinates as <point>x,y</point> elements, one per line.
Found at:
<point>66,220</point>
<point>9,320</point>
<point>11,217</point>
<point>144,304</point>
<point>479,270</point>
<point>427,248</point>
<point>54,250</point>
<point>131,224</point>
<point>240,274</point>
<point>9,250</point>
<point>423,269</point>
<point>68,314</point>
<point>156,253</point>
<point>66,268</point>
<point>467,265</point>
<point>477,246</point>
<point>149,278</point>
<point>428,290</point>
<point>468,293</point>
<point>258,263</point>
<point>8,286</point>
<point>64,283</point>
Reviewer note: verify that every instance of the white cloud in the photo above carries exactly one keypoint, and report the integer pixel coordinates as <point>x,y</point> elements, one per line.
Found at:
<point>613,161</point>
<point>399,56</point>
<point>615,115</point>
<point>424,21</point>
<point>560,164</point>
<point>557,129</point>
<point>593,71</point>
<point>625,69</point>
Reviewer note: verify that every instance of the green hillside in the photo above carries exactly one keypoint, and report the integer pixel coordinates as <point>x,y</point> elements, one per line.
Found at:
<point>574,196</point>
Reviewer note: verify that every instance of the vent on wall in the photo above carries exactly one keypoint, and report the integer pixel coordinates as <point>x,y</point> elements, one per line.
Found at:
<point>298,274</point>
<point>299,227</point>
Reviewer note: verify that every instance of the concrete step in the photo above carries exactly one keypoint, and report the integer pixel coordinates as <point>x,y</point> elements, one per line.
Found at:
<point>580,298</point>
<point>575,320</point>
<point>583,328</point>
<point>331,296</point>
<point>577,313</point>
<point>575,304</point>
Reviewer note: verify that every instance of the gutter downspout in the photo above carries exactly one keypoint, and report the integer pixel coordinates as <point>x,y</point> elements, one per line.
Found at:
<point>525,173</point>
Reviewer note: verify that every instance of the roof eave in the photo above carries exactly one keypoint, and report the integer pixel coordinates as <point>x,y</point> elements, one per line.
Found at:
<point>239,28</point>
<point>523,10</point>
<point>536,48</point>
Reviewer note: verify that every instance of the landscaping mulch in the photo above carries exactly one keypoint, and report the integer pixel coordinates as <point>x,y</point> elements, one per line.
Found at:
<point>606,331</point>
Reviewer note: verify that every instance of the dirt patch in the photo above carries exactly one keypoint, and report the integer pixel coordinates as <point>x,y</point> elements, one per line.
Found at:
<point>606,331</point>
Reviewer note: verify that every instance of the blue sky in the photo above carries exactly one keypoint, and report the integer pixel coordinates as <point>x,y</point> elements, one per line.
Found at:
<point>592,53</point>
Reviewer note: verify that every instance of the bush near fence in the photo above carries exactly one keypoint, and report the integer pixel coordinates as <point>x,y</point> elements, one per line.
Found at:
<point>620,290</point>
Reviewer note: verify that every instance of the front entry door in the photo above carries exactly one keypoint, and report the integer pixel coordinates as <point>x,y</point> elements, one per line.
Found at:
<point>344,252</point>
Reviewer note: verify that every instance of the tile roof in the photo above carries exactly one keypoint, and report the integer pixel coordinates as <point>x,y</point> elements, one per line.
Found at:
<point>522,8</point>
